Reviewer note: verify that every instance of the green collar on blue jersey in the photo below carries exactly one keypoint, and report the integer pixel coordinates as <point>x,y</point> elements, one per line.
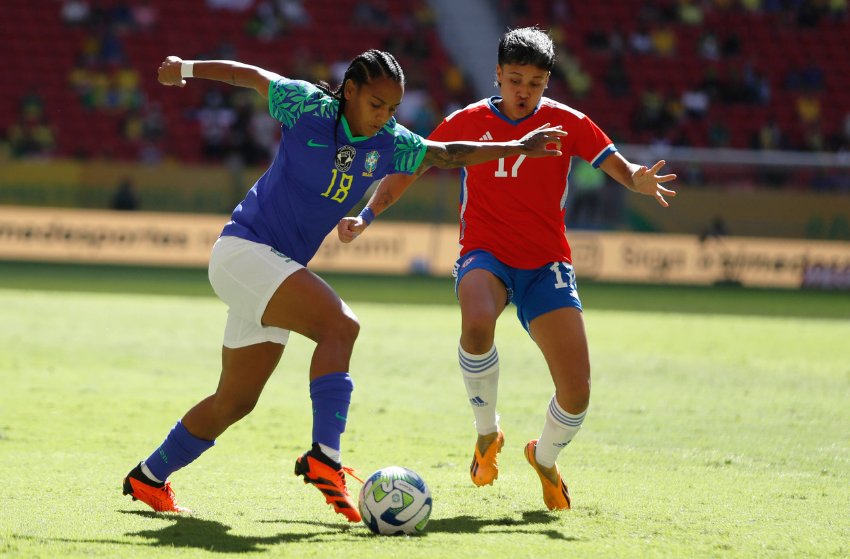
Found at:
<point>348,132</point>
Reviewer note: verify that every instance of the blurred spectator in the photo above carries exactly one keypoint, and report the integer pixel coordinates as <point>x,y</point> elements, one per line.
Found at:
<point>846,130</point>
<point>813,137</point>
<point>718,135</point>
<point>617,77</point>
<point>266,132</point>
<point>663,41</point>
<point>695,102</point>
<point>838,9</point>
<point>690,13</point>
<point>568,68</point>
<point>111,47</point>
<point>584,202</point>
<point>808,108</point>
<point>233,5</point>
<point>145,15</point>
<point>640,41</point>
<point>293,12</point>
<point>708,46</point>
<point>769,136</point>
<point>215,119</point>
<point>75,12</point>
<point>559,11</point>
<point>716,229</point>
<point>125,198</point>
<point>274,18</point>
<point>753,6</point>
<point>31,136</point>
<point>153,122</point>
<point>31,104</point>
<point>731,45</point>
<point>756,84</point>
<point>372,13</point>
<point>417,110</point>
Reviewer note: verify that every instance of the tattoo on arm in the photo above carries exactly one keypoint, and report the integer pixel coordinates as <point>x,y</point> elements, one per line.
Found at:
<point>385,200</point>
<point>447,156</point>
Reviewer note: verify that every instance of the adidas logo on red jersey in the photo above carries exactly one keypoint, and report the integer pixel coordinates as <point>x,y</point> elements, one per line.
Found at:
<point>486,137</point>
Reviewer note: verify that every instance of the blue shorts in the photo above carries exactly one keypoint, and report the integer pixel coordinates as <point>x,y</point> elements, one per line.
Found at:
<point>534,292</point>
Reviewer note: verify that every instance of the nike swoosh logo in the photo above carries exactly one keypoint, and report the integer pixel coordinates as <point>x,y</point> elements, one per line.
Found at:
<point>313,144</point>
<point>342,417</point>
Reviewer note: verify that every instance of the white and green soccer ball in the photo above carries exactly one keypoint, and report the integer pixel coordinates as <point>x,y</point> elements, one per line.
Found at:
<point>395,500</point>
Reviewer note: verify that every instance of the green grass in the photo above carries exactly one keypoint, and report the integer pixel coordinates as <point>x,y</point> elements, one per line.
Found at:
<point>193,282</point>
<point>718,424</point>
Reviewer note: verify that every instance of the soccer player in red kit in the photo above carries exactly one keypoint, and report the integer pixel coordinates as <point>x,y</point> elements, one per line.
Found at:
<point>514,249</point>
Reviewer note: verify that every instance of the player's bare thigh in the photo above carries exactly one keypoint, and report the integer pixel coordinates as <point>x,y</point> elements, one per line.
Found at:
<point>561,336</point>
<point>306,304</point>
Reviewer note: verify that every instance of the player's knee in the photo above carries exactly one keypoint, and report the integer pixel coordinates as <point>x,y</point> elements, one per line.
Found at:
<point>343,330</point>
<point>478,331</point>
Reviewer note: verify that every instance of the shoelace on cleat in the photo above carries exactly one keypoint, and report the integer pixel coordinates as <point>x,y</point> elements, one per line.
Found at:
<point>349,471</point>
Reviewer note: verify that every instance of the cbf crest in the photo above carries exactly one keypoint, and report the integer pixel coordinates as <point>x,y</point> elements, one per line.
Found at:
<point>371,163</point>
<point>344,158</point>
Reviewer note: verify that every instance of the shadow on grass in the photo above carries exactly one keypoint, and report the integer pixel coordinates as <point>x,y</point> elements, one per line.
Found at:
<point>188,531</point>
<point>465,524</point>
<point>210,535</point>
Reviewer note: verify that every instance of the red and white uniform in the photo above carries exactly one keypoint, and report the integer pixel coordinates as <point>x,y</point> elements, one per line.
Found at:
<point>514,207</point>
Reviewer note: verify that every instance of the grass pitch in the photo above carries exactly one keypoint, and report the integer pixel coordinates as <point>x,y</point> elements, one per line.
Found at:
<point>718,424</point>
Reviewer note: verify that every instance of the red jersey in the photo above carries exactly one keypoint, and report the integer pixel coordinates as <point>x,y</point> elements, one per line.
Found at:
<point>514,207</point>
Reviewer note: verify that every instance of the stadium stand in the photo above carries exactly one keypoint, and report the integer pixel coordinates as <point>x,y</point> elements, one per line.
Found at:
<point>722,73</point>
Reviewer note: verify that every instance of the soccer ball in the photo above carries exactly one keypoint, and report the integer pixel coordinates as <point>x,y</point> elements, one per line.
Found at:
<point>395,500</point>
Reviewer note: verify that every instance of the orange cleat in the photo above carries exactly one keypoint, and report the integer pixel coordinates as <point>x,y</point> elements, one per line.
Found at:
<point>329,478</point>
<point>485,468</point>
<point>555,495</point>
<point>157,496</point>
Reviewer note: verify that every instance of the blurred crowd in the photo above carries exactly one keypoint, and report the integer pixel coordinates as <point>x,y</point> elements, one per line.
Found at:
<point>609,61</point>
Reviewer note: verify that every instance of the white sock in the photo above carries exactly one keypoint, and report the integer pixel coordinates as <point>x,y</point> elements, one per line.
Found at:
<point>331,453</point>
<point>481,378</point>
<point>147,472</point>
<point>558,430</point>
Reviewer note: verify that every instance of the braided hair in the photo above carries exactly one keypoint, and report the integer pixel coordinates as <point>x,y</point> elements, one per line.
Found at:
<point>362,70</point>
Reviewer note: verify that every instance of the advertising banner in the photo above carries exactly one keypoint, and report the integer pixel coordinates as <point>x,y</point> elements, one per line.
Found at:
<point>169,239</point>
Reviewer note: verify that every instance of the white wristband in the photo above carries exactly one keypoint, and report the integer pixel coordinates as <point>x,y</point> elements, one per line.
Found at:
<point>186,69</point>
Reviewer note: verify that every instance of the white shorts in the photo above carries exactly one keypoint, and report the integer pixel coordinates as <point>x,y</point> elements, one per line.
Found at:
<point>245,275</point>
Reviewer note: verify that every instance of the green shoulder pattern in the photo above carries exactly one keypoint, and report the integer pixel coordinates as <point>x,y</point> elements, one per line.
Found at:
<point>289,99</point>
<point>409,150</point>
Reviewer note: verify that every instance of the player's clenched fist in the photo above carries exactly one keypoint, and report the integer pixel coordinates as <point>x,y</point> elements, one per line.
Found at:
<point>169,72</point>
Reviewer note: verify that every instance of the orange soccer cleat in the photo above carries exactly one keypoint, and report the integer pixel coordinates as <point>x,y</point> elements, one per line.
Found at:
<point>485,467</point>
<point>157,496</point>
<point>329,478</point>
<point>555,495</point>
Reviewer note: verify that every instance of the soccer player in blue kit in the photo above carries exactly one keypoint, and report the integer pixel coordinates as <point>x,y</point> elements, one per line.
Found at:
<point>333,145</point>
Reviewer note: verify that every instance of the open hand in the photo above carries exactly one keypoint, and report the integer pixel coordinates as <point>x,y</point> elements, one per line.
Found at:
<point>648,182</point>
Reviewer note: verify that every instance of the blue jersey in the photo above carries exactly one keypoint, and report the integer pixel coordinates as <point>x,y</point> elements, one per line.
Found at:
<point>316,177</point>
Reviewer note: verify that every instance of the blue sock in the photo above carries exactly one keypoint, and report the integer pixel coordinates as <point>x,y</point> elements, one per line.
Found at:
<point>331,395</point>
<point>180,448</point>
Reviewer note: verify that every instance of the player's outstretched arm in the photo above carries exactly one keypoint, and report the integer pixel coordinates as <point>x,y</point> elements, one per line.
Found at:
<point>448,155</point>
<point>174,71</point>
<point>639,178</point>
<point>386,193</point>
